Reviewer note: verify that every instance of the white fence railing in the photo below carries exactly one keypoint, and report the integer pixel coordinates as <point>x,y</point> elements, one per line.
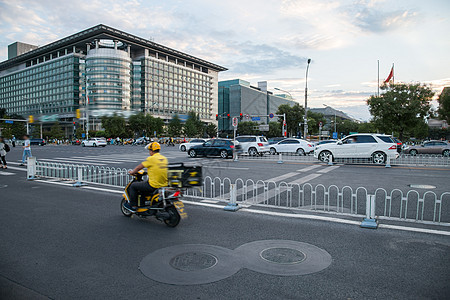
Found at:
<point>402,160</point>
<point>410,206</point>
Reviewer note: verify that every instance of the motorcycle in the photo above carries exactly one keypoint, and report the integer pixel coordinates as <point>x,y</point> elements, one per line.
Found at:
<point>164,204</point>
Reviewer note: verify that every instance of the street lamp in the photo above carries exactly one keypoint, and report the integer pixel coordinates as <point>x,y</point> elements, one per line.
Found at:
<point>306,101</point>
<point>284,92</point>
<point>334,116</point>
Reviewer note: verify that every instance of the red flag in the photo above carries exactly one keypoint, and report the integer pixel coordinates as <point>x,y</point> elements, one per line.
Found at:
<point>391,75</point>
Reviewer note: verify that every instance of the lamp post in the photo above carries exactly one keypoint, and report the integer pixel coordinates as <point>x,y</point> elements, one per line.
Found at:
<point>284,92</point>
<point>305,125</point>
<point>334,116</point>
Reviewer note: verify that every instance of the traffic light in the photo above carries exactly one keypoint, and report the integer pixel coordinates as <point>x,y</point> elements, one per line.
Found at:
<point>30,119</point>
<point>228,115</point>
<point>217,117</point>
<point>241,116</point>
<point>73,123</point>
<point>78,113</point>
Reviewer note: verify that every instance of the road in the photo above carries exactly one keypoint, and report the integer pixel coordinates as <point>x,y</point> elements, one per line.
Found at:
<point>62,242</point>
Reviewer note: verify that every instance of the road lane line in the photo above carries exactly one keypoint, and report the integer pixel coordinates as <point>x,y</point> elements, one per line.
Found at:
<point>282,177</point>
<point>229,168</point>
<point>71,162</point>
<point>16,168</point>
<point>305,179</point>
<point>6,173</point>
<point>309,168</point>
<point>328,169</point>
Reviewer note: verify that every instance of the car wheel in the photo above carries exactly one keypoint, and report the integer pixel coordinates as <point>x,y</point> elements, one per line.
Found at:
<point>95,145</point>
<point>324,156</point>
<point>83,145</point>
<point>413,152</point>
<point>446,153</point>
<point>379,158</point>
<point>273,151</point>
<point>104,146</point>
<point>192,153</point>
<point>183,148</point>
<point>223,154</point>
<point>300,152</point>
<point>252,152</point>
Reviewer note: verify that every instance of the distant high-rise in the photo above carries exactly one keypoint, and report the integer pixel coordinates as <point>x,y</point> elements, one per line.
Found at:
<point>18,48</point>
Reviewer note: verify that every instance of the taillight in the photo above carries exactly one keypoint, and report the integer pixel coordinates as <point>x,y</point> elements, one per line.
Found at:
<point>260,144</point>
<point>309,145</point>
<point>231,146</point>
<point>394,147</point>
<point>177,194</point>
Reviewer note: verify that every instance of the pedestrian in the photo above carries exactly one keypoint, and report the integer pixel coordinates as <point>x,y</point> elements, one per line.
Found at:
<point>26,149</point>
<point>14,141</point>
<point>3,149</point>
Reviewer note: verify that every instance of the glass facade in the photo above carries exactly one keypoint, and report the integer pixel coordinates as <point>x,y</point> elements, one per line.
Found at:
<point>51,87</point>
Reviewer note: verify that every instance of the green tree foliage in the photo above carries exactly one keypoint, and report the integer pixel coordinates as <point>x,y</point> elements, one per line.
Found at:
<point>367,127</point>
<point>137,124</point>
<point>56,132</point>
<point>313,122</point>
<point>246,128</point>
<point>274,129</point>
<point>211,130</point>
<point>294,116</point>
<point>174,127</point>
<point>444,105</point>
<point>401,108</point>
<point>193,127</point>
<point>18,129</point>
<point>114,126</point>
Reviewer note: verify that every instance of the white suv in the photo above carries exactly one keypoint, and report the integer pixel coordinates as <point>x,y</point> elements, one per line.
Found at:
<point>253,145</point>
<point>364,145</point>
<point>93,142</point>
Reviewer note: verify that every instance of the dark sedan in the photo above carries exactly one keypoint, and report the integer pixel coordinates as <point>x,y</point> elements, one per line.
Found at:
<point>217,147</point>
<point>40,142</point>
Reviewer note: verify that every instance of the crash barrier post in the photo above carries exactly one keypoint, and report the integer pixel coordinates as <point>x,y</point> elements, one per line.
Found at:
<point>31,168</point>
<point>330,159</point>
<point>232,205</point>
<point>79,178</point>
<point>370,221</point>
<point>388,162</point>
<point>280,158</point>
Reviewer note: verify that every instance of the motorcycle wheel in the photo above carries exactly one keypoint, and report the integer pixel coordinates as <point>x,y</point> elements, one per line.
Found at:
<point>125,211</point>
<point>174,218</point>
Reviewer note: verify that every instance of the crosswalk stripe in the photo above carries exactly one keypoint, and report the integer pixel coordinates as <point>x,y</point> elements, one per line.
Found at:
<point>70,161</point>
<point>6,173</point>
<point>328,169</point>
<point>282,177</point>
<point>305,179</point>
<point>309,168</point>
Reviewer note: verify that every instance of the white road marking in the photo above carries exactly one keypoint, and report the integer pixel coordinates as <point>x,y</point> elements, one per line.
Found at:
<point>71,162</point>
<point>282,177</point>
<point>309,168</point>
<point>229,168</point>
<point>328,169</point>
<point>305,179</point>
<point>288,215</point>
<point>16,168</point>
<point>210,201</point>
<point>6,173</point>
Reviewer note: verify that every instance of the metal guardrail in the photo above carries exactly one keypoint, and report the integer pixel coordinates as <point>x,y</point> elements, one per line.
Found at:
<point>402,160</point>
<point>410,206</point>
<point>398,205</point>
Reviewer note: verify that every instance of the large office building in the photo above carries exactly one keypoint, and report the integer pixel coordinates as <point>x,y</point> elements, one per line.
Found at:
<point>122,73</point>
<point>238,96</point>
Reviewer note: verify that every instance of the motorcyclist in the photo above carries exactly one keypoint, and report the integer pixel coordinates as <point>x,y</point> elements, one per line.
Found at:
<point>156,165</point>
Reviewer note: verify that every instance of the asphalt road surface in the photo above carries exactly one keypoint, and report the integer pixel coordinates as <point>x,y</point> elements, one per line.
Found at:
<point>62,242</point>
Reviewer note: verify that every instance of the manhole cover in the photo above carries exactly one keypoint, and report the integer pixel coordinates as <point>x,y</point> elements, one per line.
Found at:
<point>283,255</point>
<point>422,186</point>
<point>193,261</point>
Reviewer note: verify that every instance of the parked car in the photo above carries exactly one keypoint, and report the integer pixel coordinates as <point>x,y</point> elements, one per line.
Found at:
<point>93,142</point>
<point>217,147</point>
<point>429,147</point>
<point>76,142</point>
<point>253,145</point>
<point>298,146</point>
<point>194,142</point>
<point>40,142</point>
<point>364,145</point>
<point>275,140</point>
<point>326,142</point>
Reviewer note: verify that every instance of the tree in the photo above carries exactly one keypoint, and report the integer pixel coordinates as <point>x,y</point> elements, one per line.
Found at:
<point>114,126</point>
<point>56,132</point>
<point>274,129</point>
<point>294,116</point>
<point>444,105</point>
<point>246,128</point>
<point>313,121</point>
<point>136,124</point>
<point>175,127</point>
<point>367,127</point>
<point>211,130</point>
<point>193,126</point>
<point>401,108</point>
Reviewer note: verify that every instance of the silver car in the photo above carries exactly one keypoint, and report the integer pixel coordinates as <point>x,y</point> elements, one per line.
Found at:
<point>430,147</point>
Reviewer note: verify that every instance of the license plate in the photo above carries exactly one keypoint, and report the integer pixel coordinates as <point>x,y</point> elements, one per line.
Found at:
<point>180,208</point>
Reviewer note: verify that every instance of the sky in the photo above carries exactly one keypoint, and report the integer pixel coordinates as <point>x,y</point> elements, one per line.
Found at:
<point>268,40</point>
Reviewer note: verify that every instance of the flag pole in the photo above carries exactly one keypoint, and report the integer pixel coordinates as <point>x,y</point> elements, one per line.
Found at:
<point>378,84</point>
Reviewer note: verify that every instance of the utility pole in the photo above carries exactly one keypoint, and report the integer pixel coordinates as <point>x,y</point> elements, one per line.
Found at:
<point>87,107</point>
<point>305,124</point>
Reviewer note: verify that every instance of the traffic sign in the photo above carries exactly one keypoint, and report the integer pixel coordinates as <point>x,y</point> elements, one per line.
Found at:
<point>320,124</point>
<point>256,119</point>
<point>263,127</point>
<point>247,116</point>
<point>9,122</point>
<point>235,122</point>
<point>271,116</point>
<point>334,135</point>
